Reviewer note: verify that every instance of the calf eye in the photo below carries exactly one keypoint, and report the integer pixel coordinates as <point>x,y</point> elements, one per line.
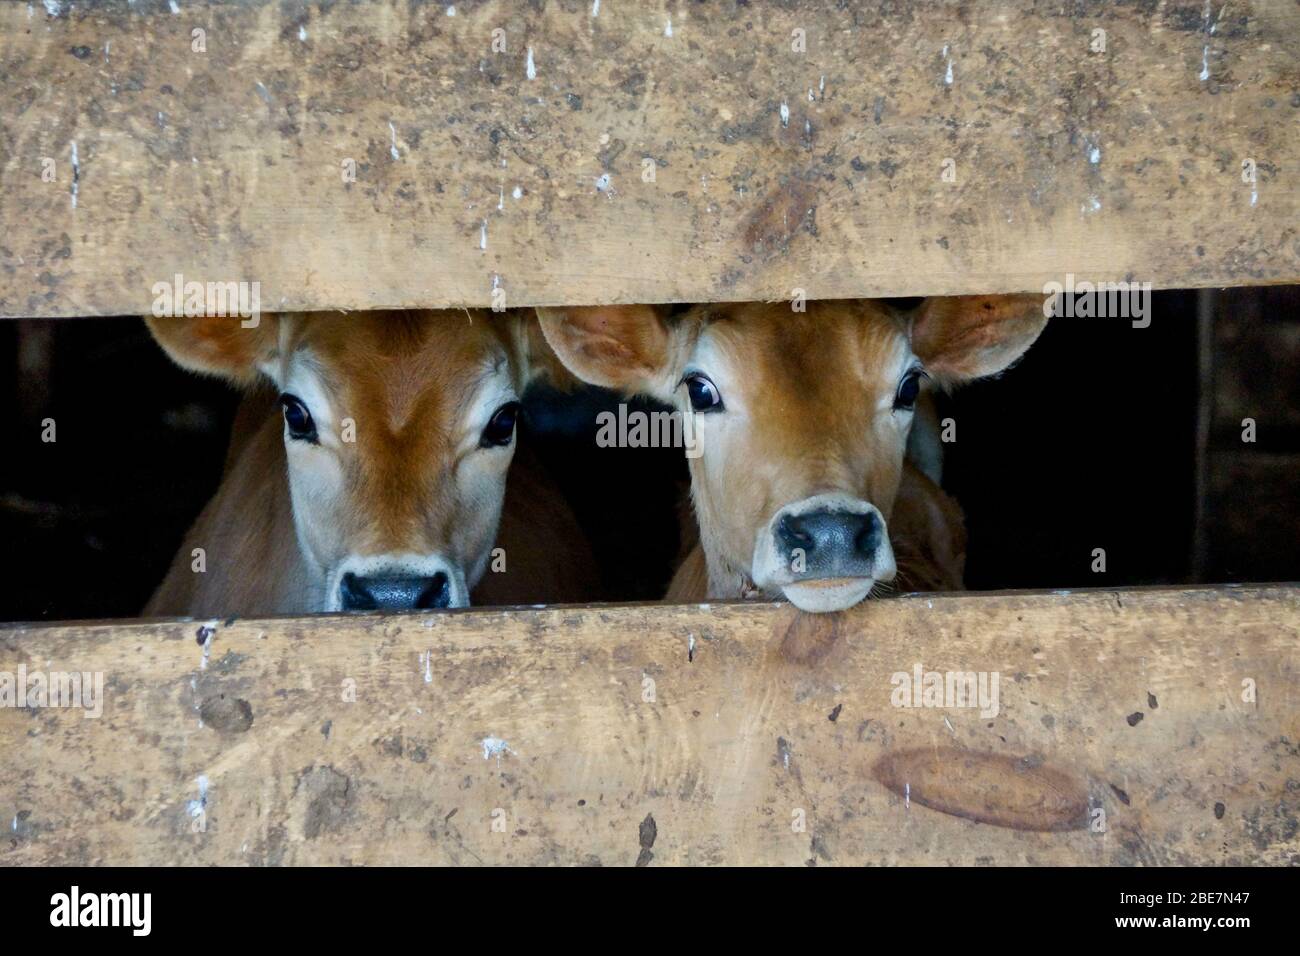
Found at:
<point>909,389</point>
<point>703,393</point>
<point>501,427</point>
<point>297,418</point>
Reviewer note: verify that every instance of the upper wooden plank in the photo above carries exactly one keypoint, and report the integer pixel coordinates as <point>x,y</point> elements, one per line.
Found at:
<point>774,169</point>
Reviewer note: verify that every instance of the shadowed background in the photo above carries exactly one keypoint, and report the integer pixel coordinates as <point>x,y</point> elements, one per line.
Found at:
<point>1104,436</point>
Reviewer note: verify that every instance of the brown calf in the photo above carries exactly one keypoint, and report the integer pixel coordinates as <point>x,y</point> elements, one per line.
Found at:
<point>379,480</point>
<point>802,421</point>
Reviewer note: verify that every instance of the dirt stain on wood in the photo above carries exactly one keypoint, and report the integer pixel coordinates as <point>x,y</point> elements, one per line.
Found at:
<point>228,714</point>
<point>788,209</point>
<point>808,638</point>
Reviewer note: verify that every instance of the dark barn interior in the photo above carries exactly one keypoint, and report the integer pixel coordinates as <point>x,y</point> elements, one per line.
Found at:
<point>1105,436</point>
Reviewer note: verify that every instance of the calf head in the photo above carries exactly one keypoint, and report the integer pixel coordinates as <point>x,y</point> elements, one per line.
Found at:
<point>398,432</point>
<point>801,419</point>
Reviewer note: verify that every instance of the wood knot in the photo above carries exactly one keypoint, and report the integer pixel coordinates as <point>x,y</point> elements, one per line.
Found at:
<point>1020,793</point>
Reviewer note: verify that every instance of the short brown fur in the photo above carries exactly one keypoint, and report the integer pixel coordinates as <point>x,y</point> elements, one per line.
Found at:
<point>809,410</point>
<point>412,480</point>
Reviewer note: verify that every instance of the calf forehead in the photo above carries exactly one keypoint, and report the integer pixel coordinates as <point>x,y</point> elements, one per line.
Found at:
<point>403,369</point>
<point>408,382</point>
<point>818,364</point>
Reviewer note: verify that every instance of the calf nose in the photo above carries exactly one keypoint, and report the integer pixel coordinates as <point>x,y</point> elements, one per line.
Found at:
<point>393,592</point>
<point>832,543</point>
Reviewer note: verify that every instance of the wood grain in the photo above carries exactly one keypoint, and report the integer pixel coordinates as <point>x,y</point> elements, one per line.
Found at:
<point>1119,707</point>
<point>775,170</point>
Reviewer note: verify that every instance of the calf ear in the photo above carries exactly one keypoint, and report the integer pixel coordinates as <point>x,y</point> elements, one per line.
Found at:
<point>217,345</point>
<point>536,359</point>
<point>617,346</point>
<point>967,337</point>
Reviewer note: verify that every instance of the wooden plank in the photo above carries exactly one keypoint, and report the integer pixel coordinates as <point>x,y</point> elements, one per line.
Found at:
<point>775,170</point>
<point>738,733</point>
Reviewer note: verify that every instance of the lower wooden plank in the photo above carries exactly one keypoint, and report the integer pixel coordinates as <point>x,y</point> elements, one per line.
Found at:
<point>1131,727</point>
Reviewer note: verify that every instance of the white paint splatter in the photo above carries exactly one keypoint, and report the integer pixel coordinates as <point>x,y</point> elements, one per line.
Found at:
<point>173,6</point>
<point>1209,29</point>
<point>196,807</point>
<point>947,77</point>
<point>207,647</point>
<point>668,28</point>
<point>530,68</point>
<point>15,828</point>
<point>785,113</point>
<point>595,8</point>
<point>482,235</point>
<point>392,150</point>
<point>53,7</point>
<point>1094,155</point>
<point>501,199</point>
<point>302,33</point>
<point>451,11</point>
<point>821,86</point>
<point>495,747</point>
<point>604,183</point>
<point>427,660</point>
<point>518,193</point>
<point>907,796</point>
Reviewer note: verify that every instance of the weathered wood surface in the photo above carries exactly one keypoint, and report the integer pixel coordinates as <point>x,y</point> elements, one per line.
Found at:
<point>774,170</point>
<point>1130,703</point>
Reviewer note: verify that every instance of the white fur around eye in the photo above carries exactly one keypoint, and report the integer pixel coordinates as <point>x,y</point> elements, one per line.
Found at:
<point>303,384</point>
<point>913,379</point>
<point>707,361</point>
<point>494,390</point>
<point>902,361</point>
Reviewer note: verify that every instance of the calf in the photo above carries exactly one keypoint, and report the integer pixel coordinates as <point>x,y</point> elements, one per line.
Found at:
<point>801,423</point>
<point>378,481</point>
